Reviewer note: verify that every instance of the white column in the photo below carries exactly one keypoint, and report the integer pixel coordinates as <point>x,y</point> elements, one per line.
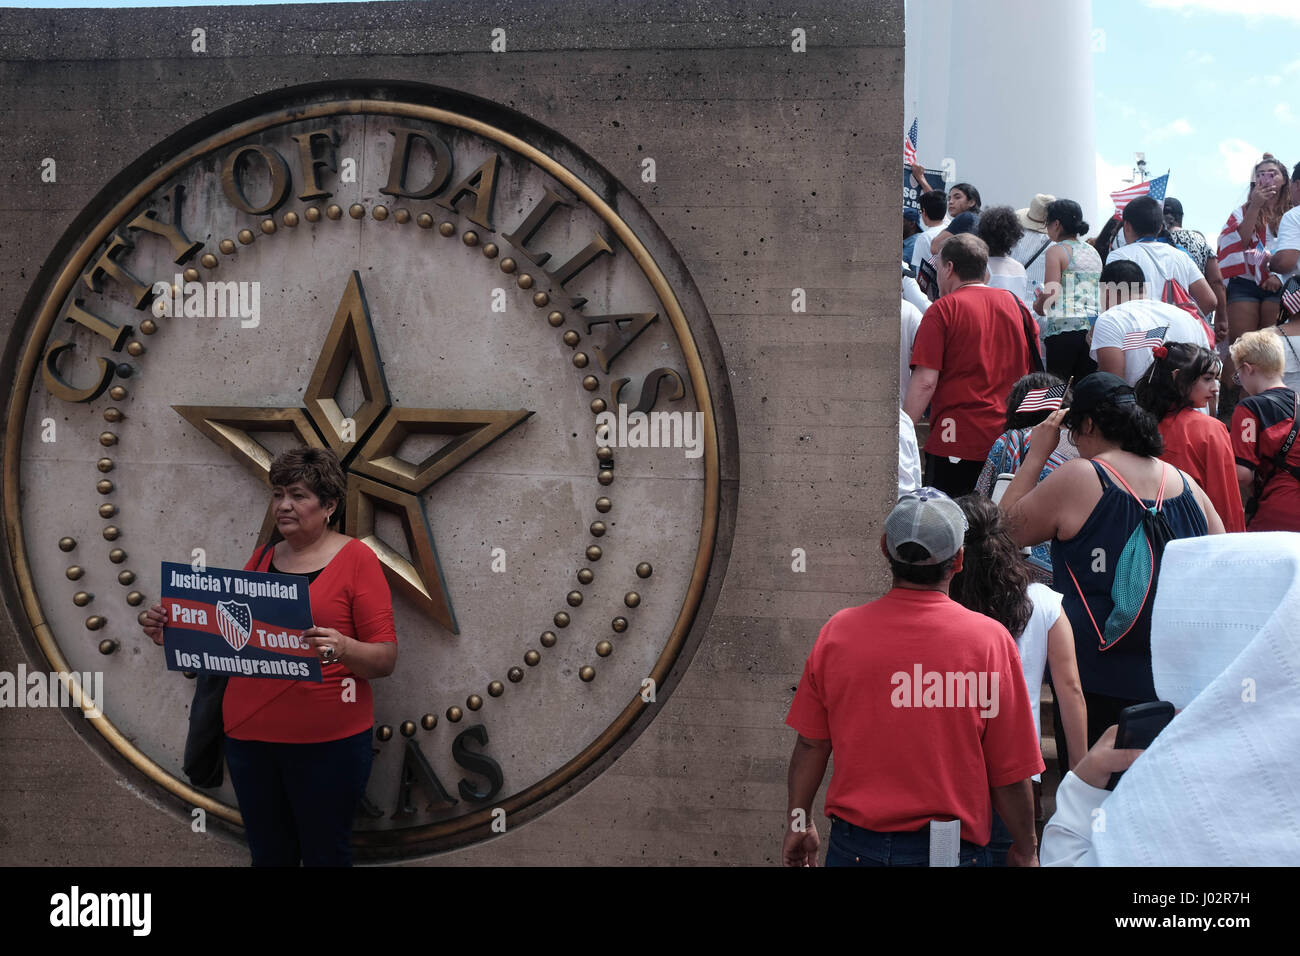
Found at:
<point>1009,82</point>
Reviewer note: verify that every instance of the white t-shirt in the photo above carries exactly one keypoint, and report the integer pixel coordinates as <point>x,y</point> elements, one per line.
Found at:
<point>921,248</point>
<point>1007,273</point>
<point>1032,644</point>
<point>912,293</point>
<point>1159,262</point>
<point>909,455</point>
<point>1291,351</point>
<point>911,321</point>
<point>1143,315</point>
<point>1288,237</point>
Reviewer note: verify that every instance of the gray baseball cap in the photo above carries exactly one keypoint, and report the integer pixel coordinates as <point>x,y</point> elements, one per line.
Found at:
<point>929,518</point>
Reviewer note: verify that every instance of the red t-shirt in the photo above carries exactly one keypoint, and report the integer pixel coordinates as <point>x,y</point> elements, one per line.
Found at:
<point>905,751</point>
<point>351,596</point>
<point>1260,425</point>
<point>1198,444</point>
<point>975,339</point>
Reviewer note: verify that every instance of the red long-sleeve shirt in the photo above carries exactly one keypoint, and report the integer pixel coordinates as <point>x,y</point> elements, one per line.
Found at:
<point>351,596</point>
<point>1199,445</point>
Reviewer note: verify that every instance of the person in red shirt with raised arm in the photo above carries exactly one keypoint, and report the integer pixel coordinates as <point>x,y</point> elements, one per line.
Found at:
<point>925,706</point>
<point>1182,379</point>
<point>300,752</point>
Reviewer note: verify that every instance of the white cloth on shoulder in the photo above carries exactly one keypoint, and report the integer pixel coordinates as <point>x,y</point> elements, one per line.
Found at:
<point>1220,786</point>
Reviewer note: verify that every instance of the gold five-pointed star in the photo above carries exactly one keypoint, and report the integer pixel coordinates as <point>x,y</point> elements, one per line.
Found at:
<point>367,443</point>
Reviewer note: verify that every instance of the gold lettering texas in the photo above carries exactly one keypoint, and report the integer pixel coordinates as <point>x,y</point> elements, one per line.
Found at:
<point>367,443</point>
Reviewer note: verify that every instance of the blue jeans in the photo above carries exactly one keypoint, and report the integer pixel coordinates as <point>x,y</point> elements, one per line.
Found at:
<point>999,842</point>
<point>298,800</point>
<point>854,846</point>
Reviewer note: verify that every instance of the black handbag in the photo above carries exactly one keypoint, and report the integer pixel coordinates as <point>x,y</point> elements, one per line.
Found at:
<point>205,743</point>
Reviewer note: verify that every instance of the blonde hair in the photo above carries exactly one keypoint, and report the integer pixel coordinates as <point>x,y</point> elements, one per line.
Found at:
<point>1262,349</point>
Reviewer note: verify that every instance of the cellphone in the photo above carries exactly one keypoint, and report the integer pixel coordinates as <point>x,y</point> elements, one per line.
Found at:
<point>1139,726</point>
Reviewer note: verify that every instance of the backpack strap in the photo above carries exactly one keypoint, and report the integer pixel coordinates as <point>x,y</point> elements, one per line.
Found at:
<point>1046,243</point>
<point>1160,495</point>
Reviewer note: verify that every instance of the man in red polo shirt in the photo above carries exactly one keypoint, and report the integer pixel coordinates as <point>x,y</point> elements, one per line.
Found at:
<point>924,704</point>
<point>972,346</point>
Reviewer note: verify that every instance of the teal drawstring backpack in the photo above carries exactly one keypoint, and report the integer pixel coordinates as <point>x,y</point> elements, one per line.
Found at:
<point>1136,568</point>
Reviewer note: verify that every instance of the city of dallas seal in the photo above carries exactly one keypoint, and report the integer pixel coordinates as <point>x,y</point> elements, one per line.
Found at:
<point>449,296</point>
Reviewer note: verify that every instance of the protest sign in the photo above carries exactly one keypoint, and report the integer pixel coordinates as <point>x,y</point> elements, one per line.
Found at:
<point>912,192</point>
<point>237,623</point>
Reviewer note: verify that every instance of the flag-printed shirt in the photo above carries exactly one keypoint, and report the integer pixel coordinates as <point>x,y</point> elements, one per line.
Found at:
<point>351,596</point>
<point>1143,315</point>
<point>1239,259</point>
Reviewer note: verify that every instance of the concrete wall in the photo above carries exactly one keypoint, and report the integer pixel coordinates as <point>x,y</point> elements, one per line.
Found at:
<point>776,170</point>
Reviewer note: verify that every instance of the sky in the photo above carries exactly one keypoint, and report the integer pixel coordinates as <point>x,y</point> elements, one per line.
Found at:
<point>1204,88</point>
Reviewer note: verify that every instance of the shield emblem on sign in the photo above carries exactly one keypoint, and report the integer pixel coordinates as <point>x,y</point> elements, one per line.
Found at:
<point>235,621</point>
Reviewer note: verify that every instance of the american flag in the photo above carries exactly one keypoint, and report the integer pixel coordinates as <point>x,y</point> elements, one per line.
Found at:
<point>1291,298</point>
<point>1144,340</point>
<point>1155,188</point>
<point>909,145</point>
<point>235,622</point>
<point>1237,258</point>
<point>1037,399</point>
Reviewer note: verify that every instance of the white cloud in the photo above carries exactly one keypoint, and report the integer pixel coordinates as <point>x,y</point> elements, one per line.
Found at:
<point>1198,58</point>
<point>1239,158</point>
<point>1179,127</point>
<point>1292,67</point>
<point>1283,113</point>
<point>1250,9</point>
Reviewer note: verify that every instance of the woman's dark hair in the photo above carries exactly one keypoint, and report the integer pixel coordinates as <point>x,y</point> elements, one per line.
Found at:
<point>926,574</point>
<point>1128,425</point>
<point>993,580</point>
<point>319,470</point>
<point>1000,229</point>
<point>1106,237</point>
<point>970,192</point>
<point>1068,213</point>
<point>1161,391</point>
<point>1017,420</point>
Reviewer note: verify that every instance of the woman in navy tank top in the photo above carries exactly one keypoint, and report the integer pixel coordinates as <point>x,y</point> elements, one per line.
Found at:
<point>1088,508</point>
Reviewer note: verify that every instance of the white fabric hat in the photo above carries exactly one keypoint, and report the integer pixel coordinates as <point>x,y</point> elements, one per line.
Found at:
<point>1034,217</point>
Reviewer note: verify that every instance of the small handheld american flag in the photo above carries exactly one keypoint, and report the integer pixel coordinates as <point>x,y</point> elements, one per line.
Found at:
<point>1038,399</point>
<point>1144,340</point>
<point>909,145</point>
<point>1291,296</point>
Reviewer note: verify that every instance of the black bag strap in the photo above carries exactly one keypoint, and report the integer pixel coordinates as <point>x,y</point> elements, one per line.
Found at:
<point>1046,243</point>
<point>1279,460</point>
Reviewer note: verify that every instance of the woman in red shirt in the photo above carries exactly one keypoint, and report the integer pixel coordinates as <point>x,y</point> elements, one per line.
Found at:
<point>299,752</point>
<point>1181,379</point>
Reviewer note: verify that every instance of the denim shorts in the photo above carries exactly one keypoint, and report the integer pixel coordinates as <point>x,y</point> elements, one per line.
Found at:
<point>1241,289</point>
<point>854,846</point>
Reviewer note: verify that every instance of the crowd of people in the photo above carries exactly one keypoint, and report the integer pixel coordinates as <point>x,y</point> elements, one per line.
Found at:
<point>1070,406</point>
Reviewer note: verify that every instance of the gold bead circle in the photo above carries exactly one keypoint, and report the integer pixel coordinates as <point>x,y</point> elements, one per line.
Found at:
<point>107,510</point>
<point>496,689</point>
<point>585,576</point>
<point>447,228</point>
<point>556,319</point>
<point>245,236</point>
<point>580,359</point>
<point>107,646</point>
<point>334,211</point>
<point>407,728</point>
<point>95,622</point>
<point>574,598</point>
<point>603,505</point>
<point>126,577</point>
<point>208,260</point>
<point>532,658</point>
<point>227,247</point>
<point>117,555</point>
<point>572,338</point>
<point>561,618</point>
<point>82,598</point>
<point>291,219</point>
<point>515,675</point>
<point>605,476</point>
<point>268,227</point>
<point>312,214</point>
<point>112,532</point>
<point>75,572</point>
<point>604,648</point>
<point>135,599</point>
<point>470,238</point>
<point>594,552</point>
<point>473,701</point>
<point>548,638</point>
<point>619,624</point>
<point>643,570</point>
<point>380,212</point>
<point>135,348</point>
<point>104,486</point>
<point>67,544</point>
<point>117,393</point>
<point>587,673</point>
<point>383,731</point>
<point>429,721</point>
<point>454,714</point>
<point>424,221</point>
<point>356,210</point>
<point>631,599</point>
<point>508,265</point>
